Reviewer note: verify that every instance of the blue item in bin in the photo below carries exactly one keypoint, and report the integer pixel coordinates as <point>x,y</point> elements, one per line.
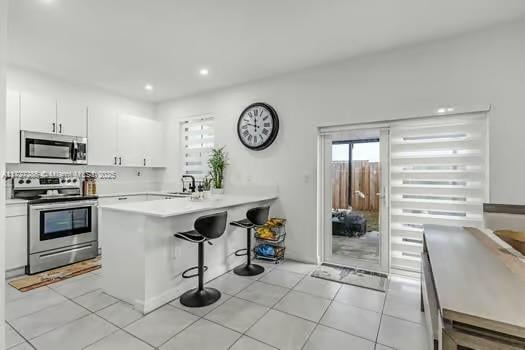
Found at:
<point>265,250</point>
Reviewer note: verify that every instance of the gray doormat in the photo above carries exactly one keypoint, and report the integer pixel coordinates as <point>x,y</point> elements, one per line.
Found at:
<point>356,277</point>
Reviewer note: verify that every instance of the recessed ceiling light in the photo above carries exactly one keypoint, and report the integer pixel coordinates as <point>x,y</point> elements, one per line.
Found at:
<point>148,87</point>
<point>204,71</point>
<point>441,110</point>
<point>450,109</point>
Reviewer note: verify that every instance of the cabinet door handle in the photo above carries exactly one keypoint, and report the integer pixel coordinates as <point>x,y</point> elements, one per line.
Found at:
<point>144,161</point>
<point>60,128</point>
<point>122,198</point>
<point>119,160</point>
<point>115,160</point>
<point>54,127</point>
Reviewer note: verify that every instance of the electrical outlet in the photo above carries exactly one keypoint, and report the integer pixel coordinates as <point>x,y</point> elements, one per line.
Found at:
<point>139,173</point>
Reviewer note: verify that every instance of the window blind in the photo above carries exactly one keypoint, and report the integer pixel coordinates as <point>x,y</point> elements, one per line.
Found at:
<point>197,143</point>
<point>437,176</point>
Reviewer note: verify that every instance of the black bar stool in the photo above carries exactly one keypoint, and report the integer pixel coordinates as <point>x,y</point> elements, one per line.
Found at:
<point>206,228</point>
<point>254,217</point>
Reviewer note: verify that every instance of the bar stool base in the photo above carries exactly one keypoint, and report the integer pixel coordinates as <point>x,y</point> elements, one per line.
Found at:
<point>248,270</point>
<point>200,298</point>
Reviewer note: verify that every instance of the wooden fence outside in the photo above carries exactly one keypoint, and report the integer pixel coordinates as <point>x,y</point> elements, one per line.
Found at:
<point>365,178</point>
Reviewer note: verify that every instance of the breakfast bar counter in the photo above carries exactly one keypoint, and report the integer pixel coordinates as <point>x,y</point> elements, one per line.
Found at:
<point>142,260</point>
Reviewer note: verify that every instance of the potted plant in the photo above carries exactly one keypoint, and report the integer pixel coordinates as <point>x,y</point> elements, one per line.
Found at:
<point>206,186</point>
<point>217,163</point>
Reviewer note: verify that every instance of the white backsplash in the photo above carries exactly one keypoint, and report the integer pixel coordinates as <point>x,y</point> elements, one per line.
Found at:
<point>127,179</point>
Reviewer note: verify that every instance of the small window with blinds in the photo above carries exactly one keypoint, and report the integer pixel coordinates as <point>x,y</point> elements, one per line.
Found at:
<point>437,176</point>
<point>197,143</point>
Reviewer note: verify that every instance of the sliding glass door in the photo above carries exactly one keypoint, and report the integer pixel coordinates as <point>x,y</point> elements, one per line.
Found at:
<point>355,173</point>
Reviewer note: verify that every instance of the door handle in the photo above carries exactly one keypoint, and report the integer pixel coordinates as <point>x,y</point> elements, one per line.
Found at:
<point>119,160</point>
<point>54,127</point>
<point>115,160</point>
<point>60,128</point>
<point>144,161</point>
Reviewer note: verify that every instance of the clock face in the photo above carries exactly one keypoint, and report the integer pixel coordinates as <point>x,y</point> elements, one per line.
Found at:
<point>258,126</point>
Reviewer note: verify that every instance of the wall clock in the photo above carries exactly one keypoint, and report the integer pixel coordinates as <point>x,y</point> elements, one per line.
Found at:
<point>258,126</point>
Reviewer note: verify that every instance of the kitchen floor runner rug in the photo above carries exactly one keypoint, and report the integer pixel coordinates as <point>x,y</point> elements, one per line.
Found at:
<point>28,283</point>
<point>356,277</point>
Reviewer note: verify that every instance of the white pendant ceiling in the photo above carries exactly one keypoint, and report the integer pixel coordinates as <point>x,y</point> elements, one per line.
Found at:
<point>121,45</point>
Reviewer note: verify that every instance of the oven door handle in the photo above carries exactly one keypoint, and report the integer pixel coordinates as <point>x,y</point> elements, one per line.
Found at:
<point>69,204</point>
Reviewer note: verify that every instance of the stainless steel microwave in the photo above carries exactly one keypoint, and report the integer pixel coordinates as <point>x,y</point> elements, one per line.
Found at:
<point>37,147</point>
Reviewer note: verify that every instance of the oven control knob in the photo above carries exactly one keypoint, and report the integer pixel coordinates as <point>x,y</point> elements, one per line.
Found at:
<point>28,181</point>
<point>74,180</point>
<point>68,180</point>
<point>20,181</point>
<point>63,181</point>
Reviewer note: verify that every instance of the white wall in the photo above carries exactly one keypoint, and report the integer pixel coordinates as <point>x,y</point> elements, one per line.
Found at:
<point>487,67</point>
<point>3,47</point>
<point>19,79</point>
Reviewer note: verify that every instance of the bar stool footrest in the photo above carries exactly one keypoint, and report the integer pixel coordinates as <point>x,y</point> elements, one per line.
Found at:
<point>185,272</point>
<point>241,252</point>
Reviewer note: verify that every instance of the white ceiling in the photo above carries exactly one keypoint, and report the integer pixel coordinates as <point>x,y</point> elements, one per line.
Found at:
<point>120,45</point>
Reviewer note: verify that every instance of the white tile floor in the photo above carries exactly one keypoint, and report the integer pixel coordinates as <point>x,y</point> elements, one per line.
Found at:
<point>284,308</point>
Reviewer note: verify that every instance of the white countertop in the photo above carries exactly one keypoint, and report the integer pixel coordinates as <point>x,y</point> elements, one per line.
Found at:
<point>126,194</point>
<point>471,280</point>
<point>181,206</point>
<point>13,201</point>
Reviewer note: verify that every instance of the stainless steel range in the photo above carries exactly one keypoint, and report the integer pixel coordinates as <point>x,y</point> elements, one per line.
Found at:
<point>62,224</point>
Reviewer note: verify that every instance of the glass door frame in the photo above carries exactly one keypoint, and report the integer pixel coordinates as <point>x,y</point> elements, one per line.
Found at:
<point>326,141</point>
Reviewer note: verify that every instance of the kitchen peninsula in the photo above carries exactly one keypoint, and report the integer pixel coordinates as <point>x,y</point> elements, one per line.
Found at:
<point>142,259</point>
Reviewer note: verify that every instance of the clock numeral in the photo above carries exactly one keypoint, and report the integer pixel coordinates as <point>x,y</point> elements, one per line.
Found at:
<point>265,131</point>
<point>244,126</point>
<point>265,117</point>
<point>267,125</point>
<point>256,112</point>
<point>245,133</point>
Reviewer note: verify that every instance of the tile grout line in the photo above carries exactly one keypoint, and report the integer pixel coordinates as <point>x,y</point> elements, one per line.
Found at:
<point>382,313</point>
<point>202,317</point>
<point>267,311</point>
<point>319,322</point>
<point>21,336</point>
<point>71,321</point>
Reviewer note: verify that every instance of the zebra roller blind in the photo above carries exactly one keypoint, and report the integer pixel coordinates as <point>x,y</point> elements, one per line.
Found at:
<point>197,142</point>
<point>438,176</point>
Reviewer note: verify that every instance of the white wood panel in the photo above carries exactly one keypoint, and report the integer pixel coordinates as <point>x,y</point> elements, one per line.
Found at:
<point>102,137</point>
<point>12,135</point>
<point>16,242</point>
<point>71,118</point>
<point>38,113</point>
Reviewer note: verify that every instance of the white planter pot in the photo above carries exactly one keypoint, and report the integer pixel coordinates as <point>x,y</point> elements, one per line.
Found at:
<point>217,191</point>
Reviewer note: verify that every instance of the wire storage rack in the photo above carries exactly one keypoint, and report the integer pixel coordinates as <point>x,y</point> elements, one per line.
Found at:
<point>270,240</point>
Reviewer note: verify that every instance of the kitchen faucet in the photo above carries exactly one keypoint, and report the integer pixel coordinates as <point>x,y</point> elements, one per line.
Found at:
<point>192,186</point>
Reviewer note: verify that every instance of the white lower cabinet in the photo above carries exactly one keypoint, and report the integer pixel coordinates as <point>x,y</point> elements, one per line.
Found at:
<point>16,236</point>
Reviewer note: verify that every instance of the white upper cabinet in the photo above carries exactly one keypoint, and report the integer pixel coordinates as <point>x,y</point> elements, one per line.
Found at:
<point>132,140</point>
<point>12,136</point>
<point>38,113</point>
<point>71,118</point>
<point>154,144</point>
<point>46,114</point>
<point>102,137</point>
